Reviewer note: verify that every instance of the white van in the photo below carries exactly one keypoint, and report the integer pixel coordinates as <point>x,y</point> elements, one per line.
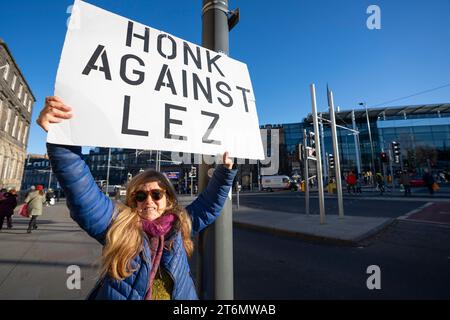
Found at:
<point>271,183</point>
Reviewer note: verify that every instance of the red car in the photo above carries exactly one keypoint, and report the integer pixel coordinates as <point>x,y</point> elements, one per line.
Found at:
<point>417,182</point>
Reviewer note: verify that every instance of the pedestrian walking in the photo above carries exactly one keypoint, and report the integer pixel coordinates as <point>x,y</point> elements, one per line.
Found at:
<point>405,180</point>
<point>35,200</point>
<point>358,183</point>
<point>351,182</point>
<point>429,180</point>
<point>380,183</point>
<point>147,240</point>
<point>3,192</point>
<point>7,206</point>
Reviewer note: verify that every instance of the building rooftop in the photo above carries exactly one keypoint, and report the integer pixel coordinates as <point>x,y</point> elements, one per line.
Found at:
<point>3,43</point>
<point>389,111</point>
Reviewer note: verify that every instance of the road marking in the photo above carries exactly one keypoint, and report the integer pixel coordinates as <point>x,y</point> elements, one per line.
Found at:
<point>440,224</point>
<point>405,216</point>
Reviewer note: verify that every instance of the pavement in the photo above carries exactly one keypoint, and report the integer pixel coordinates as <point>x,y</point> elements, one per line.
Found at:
<point>334,229</point>
<point>37,265</point>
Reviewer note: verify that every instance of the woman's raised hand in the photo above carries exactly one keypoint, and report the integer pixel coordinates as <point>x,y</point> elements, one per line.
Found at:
<point>54,111</point>
<point>227,161</point>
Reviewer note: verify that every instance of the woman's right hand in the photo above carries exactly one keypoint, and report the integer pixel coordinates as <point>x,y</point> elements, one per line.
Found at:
<point>54,111</point>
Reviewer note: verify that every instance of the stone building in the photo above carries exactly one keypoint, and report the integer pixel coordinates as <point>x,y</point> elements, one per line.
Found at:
<point>16,104</point>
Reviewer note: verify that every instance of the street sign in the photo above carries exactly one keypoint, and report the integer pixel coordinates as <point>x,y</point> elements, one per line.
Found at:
<point>143,88</point>
<point>175,175</point>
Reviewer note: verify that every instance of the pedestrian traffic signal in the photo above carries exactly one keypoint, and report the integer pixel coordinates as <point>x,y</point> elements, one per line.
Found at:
<point>384,157</point>
<point>396,151</point>
<point>193,172</point>
<point>312,143</point>
<point>331,161</point>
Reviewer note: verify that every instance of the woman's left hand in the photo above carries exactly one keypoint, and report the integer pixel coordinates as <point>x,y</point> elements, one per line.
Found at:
<point>227,161</point>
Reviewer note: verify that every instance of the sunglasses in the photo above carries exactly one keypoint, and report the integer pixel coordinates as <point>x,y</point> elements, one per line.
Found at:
<point>157,194</point>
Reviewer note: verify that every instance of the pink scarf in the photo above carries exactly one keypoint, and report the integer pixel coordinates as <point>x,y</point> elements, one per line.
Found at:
<point>156,230</point>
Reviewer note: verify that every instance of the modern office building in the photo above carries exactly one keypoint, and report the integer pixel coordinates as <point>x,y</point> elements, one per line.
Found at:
<point>126,163</point>
<point>422,132</point>
<point>38,172</point>
<point>16,105</point>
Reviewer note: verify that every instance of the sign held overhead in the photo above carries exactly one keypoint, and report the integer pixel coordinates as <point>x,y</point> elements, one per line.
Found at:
<point>132,86</point>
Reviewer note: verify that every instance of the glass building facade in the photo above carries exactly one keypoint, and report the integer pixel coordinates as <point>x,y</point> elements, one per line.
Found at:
<point>423,133</point>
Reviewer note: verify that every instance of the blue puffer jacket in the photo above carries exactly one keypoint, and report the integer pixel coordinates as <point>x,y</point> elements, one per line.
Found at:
<point>93,211</point>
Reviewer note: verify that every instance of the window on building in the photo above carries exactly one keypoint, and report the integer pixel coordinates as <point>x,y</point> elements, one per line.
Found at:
<point>6,71</point>
<point>19,94</point>
<point>13,83</point>
<point>6,166</point>
<point>8,119</point>
<point>13,132</point>
<point>25,99</point>
<point>29,105</point>
<point>19,133</point>
<point>25,134</point>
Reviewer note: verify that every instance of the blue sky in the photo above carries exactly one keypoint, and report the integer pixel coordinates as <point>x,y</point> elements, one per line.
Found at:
<point>286,44</point>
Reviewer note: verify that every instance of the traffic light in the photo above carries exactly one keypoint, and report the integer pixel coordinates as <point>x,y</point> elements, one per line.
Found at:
<point>396,151</point>
<point>331,161</point>
<point>312,143</point>
<point>384,157</point>
<point>193,172</point>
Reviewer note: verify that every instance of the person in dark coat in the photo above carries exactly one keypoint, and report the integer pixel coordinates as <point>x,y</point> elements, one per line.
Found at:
<point>405,180</point>
<point>429,180</point>
<point>7,206</point>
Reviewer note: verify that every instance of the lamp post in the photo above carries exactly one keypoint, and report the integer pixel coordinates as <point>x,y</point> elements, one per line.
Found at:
<point>107,171</point>
<point>372,164</point>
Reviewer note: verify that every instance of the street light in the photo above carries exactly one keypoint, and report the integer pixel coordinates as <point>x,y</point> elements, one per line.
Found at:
<point>372,165</point>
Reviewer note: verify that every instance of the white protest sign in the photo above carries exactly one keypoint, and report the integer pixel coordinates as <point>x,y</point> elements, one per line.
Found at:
<point>132,86</point>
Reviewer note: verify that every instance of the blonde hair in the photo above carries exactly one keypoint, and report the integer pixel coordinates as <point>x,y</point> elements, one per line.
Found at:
<point>125,237</point>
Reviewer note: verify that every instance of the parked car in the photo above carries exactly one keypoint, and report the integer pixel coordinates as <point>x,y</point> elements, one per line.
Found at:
<point>417,182</point>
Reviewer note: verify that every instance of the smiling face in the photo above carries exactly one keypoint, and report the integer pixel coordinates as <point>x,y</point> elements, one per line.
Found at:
<point>149,208</point>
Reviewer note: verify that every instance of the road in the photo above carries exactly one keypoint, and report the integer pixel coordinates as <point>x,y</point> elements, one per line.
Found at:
<point>294,202</point>
<point>414,260</point>
<point>413,256</point>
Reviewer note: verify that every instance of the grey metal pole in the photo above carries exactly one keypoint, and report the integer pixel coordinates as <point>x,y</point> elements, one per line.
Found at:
<point>390,168</point>
<point>318,155</point>
<point>306,179</point>
<point>237,194</point>
<point>107,172</point>
<point>337,162</point>
<point>355,137</point>
<point>259,178</point>
<point>215,36</point>
<point>370,139</point>
<point>50,178</point>
<point>322,141</point>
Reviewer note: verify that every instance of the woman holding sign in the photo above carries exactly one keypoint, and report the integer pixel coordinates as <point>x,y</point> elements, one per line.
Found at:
<point>147,241</point>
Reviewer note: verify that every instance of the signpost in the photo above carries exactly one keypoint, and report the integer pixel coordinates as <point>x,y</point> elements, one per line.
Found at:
<point>318,155</point>
<point>336,152</point>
